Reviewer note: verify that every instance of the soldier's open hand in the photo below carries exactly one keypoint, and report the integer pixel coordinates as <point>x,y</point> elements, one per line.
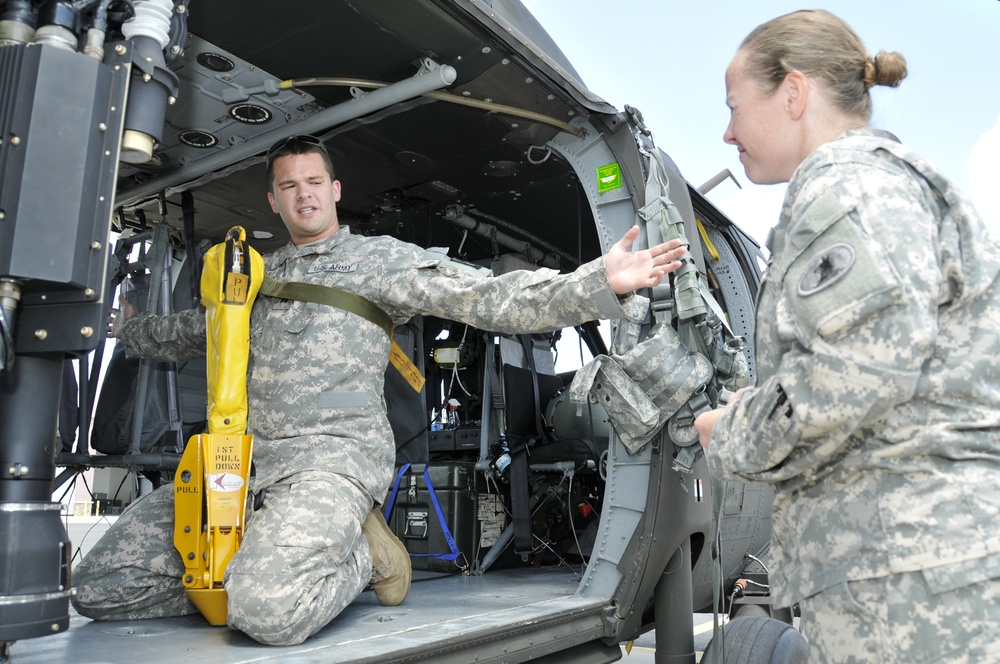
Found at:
<point>630,270</point>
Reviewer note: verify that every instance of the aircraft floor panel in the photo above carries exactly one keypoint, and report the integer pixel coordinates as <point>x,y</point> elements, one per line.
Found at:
<point>439,610</point>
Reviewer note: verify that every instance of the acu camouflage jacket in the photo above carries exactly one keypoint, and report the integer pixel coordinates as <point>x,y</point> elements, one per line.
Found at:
<point>876,415</point>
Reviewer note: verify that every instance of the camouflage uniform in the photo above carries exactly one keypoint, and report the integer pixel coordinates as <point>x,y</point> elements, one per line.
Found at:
<point>323,448</point>
<point>876,415</point>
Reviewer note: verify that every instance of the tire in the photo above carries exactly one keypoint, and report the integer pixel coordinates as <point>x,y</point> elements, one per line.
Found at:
<point>757,640</point>
<point>751,610</point>
<point>746,610</point>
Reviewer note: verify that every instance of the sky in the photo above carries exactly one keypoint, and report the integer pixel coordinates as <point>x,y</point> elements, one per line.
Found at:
<point>668,59</point>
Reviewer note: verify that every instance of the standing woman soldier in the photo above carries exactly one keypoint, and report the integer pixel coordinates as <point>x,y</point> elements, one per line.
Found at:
<point>876,417</point>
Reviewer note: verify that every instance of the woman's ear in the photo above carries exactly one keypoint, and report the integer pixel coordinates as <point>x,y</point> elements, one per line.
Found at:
<point>795,87</point>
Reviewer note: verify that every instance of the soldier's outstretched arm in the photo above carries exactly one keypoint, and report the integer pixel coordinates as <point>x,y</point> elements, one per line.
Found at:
<point>523,301</point>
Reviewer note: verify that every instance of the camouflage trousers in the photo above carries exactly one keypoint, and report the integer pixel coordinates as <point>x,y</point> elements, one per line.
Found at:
<point>302,561</point>
<point>898,619</point>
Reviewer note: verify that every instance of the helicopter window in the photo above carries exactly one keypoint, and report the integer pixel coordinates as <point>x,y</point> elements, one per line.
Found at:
<point>571,352</point>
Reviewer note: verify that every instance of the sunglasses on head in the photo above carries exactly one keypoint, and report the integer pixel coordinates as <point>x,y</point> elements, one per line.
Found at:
<point>285,142</point>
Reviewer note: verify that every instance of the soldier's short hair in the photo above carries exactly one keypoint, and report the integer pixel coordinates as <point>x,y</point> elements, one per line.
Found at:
<point>298,144</point>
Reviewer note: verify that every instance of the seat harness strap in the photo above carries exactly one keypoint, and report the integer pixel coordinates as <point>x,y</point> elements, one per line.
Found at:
<point>355,304</point>
<point>334,297</point>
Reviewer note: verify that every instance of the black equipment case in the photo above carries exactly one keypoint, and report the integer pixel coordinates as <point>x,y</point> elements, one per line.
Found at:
<point>450,524</point>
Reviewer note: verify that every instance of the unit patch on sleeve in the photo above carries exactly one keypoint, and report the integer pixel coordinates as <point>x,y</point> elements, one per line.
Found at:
<point>826,269</point>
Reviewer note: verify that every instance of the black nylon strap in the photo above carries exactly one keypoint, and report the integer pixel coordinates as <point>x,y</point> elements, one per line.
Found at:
<point>334,297</point>
<point>519,501</point>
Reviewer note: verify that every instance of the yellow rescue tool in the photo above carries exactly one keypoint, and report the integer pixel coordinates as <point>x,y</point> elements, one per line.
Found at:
<point>210,489</point>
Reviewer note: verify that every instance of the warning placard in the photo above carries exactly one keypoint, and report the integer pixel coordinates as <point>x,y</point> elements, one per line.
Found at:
<point>492,519</point>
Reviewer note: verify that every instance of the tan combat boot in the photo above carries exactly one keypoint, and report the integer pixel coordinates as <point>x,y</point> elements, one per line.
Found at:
<point>391,569</point>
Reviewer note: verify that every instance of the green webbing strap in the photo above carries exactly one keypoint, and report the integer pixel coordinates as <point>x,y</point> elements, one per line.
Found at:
<point>664,219</point>
<point>334,297</point>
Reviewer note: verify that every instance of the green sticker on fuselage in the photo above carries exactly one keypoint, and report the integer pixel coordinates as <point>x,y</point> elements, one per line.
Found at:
<point>609,177</point>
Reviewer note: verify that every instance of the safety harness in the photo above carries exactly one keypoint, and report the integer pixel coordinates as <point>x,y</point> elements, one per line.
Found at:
<point>355,304</point>
<point>334,297</point>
